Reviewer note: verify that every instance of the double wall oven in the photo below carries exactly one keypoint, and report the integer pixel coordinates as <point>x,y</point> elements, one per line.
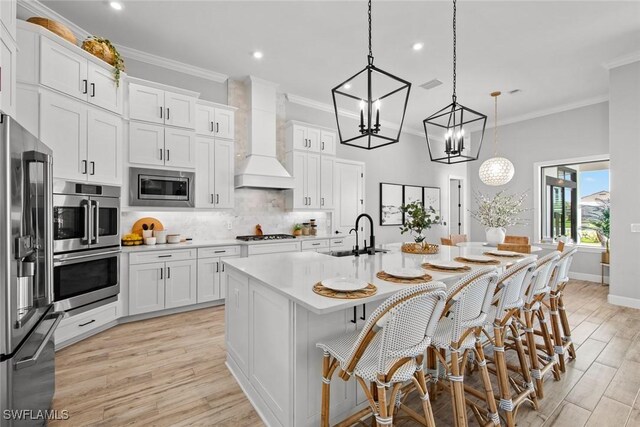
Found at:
<point>86,244</point>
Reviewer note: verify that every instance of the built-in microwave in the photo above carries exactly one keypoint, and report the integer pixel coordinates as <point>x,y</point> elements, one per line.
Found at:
<point>153,187</point>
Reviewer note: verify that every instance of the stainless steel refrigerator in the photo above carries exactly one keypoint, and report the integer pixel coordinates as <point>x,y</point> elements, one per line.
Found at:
<point>27,319</point>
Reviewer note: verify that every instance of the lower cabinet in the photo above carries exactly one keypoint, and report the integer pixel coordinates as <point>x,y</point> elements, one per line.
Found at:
<point>146,288</point>
<point>180,283</point>
<point>75,326</point>
<point>210,273</point>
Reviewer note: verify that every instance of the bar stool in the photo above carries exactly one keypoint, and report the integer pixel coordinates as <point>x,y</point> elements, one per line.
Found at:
<point>541,357</point>
<point>468,301</point>
<point>519,240</point>
<point>388,352</point>
<point>501,318</point>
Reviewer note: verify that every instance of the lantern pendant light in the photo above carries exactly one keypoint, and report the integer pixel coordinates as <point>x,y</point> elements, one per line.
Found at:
<point>381,101</point>
<point>447,139</point>
<point>496,170</point>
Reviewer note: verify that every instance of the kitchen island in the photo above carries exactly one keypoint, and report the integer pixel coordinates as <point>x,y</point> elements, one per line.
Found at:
<point>274,320</point>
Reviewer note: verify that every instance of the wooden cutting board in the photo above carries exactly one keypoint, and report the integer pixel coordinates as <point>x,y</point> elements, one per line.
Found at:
<point>137,227</point>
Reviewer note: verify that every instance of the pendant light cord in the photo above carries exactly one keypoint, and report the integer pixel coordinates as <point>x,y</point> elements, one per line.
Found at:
<point>454,97</point>
<point>495,129</point>
<point>370,57</point>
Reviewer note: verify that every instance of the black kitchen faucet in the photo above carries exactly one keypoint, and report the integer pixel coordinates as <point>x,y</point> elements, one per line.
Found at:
<point>371,249</point>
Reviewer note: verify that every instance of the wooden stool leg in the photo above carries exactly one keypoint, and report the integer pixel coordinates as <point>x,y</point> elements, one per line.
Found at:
<point>533,353</point>
<point>456,380</point>
<point>524,366</point>
<point>503,375</point>
<point>486,381</point>
<point>424,396</point>
<point>548,344</point>
<point>565,326</point>
<point>326,389</point>
<point>555,327</point>
<point>432,365</point>
<point>383,418</point>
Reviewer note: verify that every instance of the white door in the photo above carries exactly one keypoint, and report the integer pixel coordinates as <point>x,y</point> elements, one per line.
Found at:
<point>205,122</point>
<point>313,135</point>
<point>146,103</point>
<point>327,166</point>
<point>63,127</point>
<point>103,91</point>
<point>180,148</point>
<point>104,147</point>
<point>180,110</point>
<point>313,181</point>
<point>181,283</point>
<point>62,69</point>
<point>146,144</point>
<point>300,141</point>
<point>328,142</point>
<point>208,279</point>
<point>349,194</point>
<point>146,288</point>
<point>205,197</point>
<point>223,174</point>
<point>8,61</point>
<point>8,12</point>
<point>224,123</point>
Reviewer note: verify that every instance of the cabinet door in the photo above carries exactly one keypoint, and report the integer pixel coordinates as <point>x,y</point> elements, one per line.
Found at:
<point>146,288</point>
<point>300,141</point>
<point>146,144</point>
<point>8,12</point>
<point>181,283</point>
<point>63,127</point>
<point>146,103</point>
<point>237,318</point>
<point>8,60</point>
<point>223,289</point>
<point>297,168</point>
<point>326,182</point>
<point>104,147</point>
<point>205,197</point>
<point>180,110</point>
<point>223,174</point>
<point>224,123</point>
<point>62,69</point>
<point>328,142</point>
<point>205,122</point>
<point>208,279</point>
<point>348,193</point>
<point>313,181</point>
<point>103,91</point>
<point>313,135</point>
<point>180,148</point>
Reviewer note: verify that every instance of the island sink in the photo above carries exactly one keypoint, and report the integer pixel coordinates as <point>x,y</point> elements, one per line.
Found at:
<point>352,253</point>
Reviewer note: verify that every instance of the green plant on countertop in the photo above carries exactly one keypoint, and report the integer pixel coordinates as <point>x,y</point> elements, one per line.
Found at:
<point>118,62</point>
<point>417,219</point>
<point>297,227</point>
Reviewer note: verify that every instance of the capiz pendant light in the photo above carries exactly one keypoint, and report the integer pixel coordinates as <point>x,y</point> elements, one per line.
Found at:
<point>376,95</point>
<point>447,139</point>
<point>496,170</point>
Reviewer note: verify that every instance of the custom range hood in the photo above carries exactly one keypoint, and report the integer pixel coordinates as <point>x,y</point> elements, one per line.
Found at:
<point>261,168</point>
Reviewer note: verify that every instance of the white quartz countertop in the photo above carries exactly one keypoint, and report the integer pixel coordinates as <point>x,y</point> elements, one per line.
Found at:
<point>294,274</point>
<point>221,242</point>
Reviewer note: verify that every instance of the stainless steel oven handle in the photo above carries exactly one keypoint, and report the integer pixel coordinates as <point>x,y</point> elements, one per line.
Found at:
<point>23,363</point>
<point>96,221</point>
<point>87,230</point>
<point>58,260</point>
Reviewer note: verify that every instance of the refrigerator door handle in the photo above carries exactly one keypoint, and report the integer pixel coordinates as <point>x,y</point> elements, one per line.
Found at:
<point>48,231</point>
<point>29,361</point>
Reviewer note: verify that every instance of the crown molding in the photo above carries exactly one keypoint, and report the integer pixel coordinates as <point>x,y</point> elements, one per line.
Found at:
<point>328,108</point>
<point>35,8</point>
<point>623,60</point>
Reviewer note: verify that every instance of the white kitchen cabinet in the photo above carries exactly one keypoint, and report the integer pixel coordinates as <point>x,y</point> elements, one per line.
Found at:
<point>153,104</point>
<point>272,248</point>
<point>180,148</point>
<point>146,288</point>
<point>28,108</point>
<point>328,142</point>
<point>86,142</point>
<point>214,173</point>
<point>156,145</point>
<point>180,283</point>
<point>316,245</point>
<point>8,61</point>
<point>237,318</point>
<point>305,169</point>
<point>8,13</point>
<point>348,189</point>
<point>301,137</point>
<point>211,274</point>
<point>345,243</point>
<point>327,166</point>
<point>80,324</point>
<point>214,121</point>
<point>103,91</point>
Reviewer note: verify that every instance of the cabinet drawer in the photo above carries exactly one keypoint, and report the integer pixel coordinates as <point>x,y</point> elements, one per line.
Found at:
<point>220,251</point>
<point>343,243</point>
<point>315,244</point>
<point>161,256</point>
<point>273,248</point>
<point>76,325</point>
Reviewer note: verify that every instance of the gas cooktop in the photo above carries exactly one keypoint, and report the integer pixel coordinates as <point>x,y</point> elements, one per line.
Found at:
<point>265,237</point>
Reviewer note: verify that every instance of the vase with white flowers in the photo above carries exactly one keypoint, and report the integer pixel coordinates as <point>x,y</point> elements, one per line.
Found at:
<point>497,212</point>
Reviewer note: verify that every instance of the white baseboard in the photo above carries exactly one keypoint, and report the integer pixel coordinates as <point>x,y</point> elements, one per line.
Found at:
<point>624,301</point>
<point>588,277</point>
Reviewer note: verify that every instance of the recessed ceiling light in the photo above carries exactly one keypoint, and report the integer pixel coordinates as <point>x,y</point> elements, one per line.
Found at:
<point>116,5</point>
<point>417,46</point>
<point>514,91</point>
<point>347,86</point>
<point>257,54</point>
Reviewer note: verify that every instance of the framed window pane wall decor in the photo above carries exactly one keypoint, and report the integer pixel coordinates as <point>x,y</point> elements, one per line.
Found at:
<point>393,196</point>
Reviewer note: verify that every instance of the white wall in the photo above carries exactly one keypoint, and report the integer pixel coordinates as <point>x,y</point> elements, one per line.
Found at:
<point>568,134</point>
<point>624,112</point>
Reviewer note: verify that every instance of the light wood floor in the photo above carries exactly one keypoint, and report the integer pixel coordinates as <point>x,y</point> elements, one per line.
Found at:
<point>170,371</point>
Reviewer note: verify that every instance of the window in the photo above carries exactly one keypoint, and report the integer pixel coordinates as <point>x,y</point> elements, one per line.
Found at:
<point>573,197</point>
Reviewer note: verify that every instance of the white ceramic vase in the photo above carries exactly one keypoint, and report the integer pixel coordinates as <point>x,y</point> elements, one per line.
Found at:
<point>495,235</point>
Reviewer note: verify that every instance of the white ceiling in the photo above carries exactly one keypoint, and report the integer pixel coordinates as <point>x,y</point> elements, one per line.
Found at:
<point>553,51</point>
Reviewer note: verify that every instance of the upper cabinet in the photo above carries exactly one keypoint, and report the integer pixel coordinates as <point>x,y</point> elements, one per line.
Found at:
<point>214,173</point>
<point>215,120</point>
<point>328,142</point>
<point>8,12</point>
<point>7,72</point>
<point>305,137</point>
<point>161,146</point>
<point>154,104</point>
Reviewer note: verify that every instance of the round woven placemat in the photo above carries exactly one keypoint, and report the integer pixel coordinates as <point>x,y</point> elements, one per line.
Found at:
<point>466,261</point>
<point>428,266</point>
<point>383,275</point>
<point>504,256</point>
<point>319,289</point>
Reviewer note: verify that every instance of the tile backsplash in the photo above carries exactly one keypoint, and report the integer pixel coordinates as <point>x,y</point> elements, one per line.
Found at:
<point>252,206</point>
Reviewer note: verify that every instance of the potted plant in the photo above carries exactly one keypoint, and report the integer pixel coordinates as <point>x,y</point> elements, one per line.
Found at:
<point>497,212</point>
<point>105,50</point>
<point>297,229</point>
<point>602,226</point>
<point>417,220</point>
